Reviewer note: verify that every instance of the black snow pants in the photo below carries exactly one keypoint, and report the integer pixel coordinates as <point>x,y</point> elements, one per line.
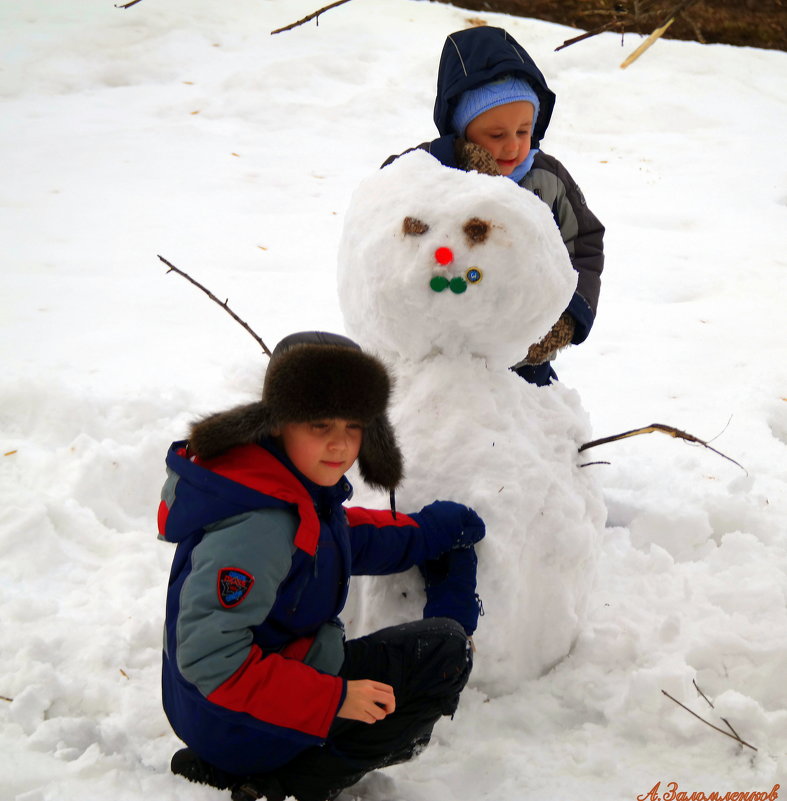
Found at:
<point>427,663</point>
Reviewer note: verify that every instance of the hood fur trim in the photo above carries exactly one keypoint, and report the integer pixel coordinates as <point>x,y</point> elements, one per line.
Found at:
<point>219,432</point>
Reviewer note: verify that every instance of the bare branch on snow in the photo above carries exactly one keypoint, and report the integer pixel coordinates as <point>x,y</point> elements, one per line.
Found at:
<point>726,722</point>
<point>715,728</point>
<point>621,18</point>
<point>669,430</point>
<point>173,268</point>
<point>314,15</point>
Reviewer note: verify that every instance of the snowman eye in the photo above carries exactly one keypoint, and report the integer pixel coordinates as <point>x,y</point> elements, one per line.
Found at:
<point>476,230</point>
<point>414,227</point>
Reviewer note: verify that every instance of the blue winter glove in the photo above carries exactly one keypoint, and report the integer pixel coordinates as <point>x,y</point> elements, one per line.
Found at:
<point>449,525</point>
<point>450,583</point>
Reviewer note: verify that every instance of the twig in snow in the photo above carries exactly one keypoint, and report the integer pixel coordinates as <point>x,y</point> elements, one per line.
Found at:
<point>601,28</point>
<point>726,426</point>
<point>129,4</point>
<point>4,698</point>
<point>707,700</point>
<point>173,268</point>
<point>716,728</point>
<point>726,722</point>
<point>314,15</point>
<point>669,430</point>
<point>658,33</point>
<point>640,14</point>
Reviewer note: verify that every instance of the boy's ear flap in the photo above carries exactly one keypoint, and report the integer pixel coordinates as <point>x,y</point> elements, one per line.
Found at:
<point>219,432</point>
<point>380,460</point>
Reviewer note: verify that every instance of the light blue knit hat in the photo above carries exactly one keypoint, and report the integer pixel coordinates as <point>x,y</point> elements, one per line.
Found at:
<point>496,93</point>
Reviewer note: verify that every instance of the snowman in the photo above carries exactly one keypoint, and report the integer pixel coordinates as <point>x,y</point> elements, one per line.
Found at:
<point>449,277</point>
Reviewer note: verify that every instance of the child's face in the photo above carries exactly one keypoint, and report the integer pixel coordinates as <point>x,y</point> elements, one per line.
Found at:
<point>505,132</point>
<point>323,450</point>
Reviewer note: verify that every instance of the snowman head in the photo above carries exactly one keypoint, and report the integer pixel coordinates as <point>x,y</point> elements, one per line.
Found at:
<point>435,260</point>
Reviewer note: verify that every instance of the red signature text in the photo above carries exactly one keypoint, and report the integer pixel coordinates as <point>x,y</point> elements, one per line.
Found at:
<point>673,793</point>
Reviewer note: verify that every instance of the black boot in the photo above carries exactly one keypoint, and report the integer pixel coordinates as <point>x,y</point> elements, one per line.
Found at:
<point>254,787</point>
<point>187,764</point>
<point>244,788</point>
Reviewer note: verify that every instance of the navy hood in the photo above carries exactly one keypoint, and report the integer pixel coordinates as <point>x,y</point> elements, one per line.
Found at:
<point>476,56</point>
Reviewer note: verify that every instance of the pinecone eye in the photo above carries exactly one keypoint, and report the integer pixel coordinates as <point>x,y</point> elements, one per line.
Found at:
<point>412,226</point>
<point>476,230</point>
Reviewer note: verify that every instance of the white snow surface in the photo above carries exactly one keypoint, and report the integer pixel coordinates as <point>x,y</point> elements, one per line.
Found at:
<point>184,129</point>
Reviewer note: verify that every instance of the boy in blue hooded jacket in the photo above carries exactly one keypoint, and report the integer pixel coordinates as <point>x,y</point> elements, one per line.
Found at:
<point>492,109</point>
<point>257,677</point>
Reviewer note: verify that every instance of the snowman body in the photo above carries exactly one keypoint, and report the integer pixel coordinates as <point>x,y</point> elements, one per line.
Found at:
<point>449,277</point>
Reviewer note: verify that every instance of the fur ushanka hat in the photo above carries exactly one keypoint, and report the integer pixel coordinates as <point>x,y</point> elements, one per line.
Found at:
<point>314,375</point>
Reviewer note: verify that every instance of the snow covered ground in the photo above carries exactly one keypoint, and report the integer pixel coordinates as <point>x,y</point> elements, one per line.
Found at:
<point>184,129</point>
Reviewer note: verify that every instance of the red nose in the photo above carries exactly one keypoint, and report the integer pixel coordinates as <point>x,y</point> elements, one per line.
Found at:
<point>443,256</point>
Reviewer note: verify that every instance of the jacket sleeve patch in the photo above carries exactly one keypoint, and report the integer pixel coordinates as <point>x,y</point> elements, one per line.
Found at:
<point>233,586</point>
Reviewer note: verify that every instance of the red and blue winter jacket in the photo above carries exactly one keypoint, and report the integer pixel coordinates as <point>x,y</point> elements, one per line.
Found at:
<point>253,642</point>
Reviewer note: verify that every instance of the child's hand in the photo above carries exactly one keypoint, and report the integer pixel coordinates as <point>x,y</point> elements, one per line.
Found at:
<point>367,701</point>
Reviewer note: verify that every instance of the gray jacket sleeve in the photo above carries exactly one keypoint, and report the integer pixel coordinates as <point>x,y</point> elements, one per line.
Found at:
<point>213,641</point>
<point>582,233</point>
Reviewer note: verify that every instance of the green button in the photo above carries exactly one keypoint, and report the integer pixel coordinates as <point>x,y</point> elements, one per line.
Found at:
<point>439,283</point>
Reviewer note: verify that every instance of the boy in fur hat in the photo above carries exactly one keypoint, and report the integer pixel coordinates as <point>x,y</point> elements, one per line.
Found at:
<point>258,679</point>
<point>492,109</point>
